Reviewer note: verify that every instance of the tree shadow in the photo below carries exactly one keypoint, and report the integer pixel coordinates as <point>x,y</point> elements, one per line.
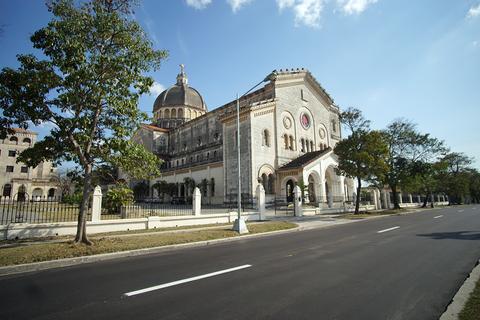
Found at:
<point>458,235</point>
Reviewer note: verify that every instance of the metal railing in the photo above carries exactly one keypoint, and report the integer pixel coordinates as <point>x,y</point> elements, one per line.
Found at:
<point>37,210</point>
<point>154,207</point>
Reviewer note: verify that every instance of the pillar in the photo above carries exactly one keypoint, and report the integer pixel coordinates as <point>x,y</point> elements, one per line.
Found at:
<point>419,199</point>
<point>384,199</point>
<point>410,198</point>
<point>297,192</point>
<point>196,202</point>
<point>97,204</point>
<point>260,195</point>
<point>400,200</point>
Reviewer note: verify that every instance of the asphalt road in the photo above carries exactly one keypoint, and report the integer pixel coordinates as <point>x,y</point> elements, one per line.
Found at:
<point>365,270</point>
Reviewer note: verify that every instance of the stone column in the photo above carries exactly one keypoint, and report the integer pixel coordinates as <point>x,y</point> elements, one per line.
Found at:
<point>196,202</point>
<point>410,198</point>
<point>260,195</point>
<point>97,204</point>
<point>297,192</point>
<point>400,200</point>
<point>384,199</point>
<point>419,199</point>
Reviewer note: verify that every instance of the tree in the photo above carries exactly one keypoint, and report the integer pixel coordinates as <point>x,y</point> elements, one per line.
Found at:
<point>456,179</point>
<point>406,146</point>
<point>118,196</point>
<point>362,155</point>
<point>88,87</point>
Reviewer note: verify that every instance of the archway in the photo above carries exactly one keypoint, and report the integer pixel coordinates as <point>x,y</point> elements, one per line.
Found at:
<point>312,188</point>
<point>330,181</point>
<point>289,190</point>
<point>37,194</point>
<point>51,192</point>
<point>22,193</point>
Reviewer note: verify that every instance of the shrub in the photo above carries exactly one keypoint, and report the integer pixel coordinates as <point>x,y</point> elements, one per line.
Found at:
<point>118,196</point>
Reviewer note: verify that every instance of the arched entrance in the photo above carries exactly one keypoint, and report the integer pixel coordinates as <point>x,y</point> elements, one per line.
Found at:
<point>289,190</point>
<point>312,196</point>
<point>37,194</point>
<point>21,194</point>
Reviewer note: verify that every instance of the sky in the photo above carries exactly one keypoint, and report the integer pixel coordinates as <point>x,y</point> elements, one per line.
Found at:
<point>418,60</point>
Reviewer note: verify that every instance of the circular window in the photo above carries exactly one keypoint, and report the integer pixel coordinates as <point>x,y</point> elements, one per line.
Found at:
<point>322,133</point>
<point>305,120</point>
<point>287,123</point>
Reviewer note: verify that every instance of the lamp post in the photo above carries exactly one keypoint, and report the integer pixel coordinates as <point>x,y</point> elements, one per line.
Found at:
<point>239,224</point>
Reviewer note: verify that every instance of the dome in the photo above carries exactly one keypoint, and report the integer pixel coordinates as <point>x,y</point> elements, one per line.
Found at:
<point>180,94</point>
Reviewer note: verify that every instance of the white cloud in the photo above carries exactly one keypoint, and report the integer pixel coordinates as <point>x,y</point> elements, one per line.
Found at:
<point>156,88</point>
<point>474,11</point>
<point>238,4</point>
<point>198,4</point>
<point>354,6</point>
<point>307,12</point>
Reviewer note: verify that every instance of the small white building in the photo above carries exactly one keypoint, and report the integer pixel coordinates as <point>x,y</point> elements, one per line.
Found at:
<point>17,180</point>
<point>288,130</point>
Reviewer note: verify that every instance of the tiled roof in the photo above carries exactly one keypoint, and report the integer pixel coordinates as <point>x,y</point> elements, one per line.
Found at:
<point>20,130</point>
<point>154,128</point>
<point>305,159</point>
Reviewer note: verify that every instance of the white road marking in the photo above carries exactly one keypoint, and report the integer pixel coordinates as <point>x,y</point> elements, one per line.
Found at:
<point>389,229</point>
<point>174,283</point>
<point>438,216</point>
<point>461,210</point>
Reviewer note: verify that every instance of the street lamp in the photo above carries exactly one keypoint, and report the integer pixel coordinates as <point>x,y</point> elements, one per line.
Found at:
<point>239,224</point>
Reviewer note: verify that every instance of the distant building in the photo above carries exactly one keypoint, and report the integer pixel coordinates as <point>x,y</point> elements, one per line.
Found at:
<point>17,180</point>
<point>289,128</point>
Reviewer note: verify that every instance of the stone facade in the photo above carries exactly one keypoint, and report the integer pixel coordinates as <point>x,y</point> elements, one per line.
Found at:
<point>18,181</point>
<point>291,119</point>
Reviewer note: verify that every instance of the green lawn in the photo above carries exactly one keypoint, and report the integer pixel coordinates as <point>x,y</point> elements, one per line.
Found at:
<point>471,311</point>
<point>52,251</point>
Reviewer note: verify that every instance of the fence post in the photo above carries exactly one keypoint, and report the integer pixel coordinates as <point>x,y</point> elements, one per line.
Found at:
<point>260,193</point>
<point>298,201</point>
<point>97,204</point>
<point>197,201</point>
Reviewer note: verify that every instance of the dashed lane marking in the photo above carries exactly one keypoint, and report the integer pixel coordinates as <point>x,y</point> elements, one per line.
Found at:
<point>175,283</point>
<point>389,229</point>
<point>461,210</point>
<point>438,216</point>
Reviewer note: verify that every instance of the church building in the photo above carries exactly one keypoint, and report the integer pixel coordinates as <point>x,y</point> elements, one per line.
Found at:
<point>288,129</point>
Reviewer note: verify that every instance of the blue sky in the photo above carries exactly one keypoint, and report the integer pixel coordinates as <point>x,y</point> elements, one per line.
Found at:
<point>418,60</point>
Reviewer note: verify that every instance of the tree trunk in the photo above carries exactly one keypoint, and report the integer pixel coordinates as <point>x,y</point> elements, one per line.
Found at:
<point>396,205</point>
<point>357,201</point>
<point>81,236</point>
<point>424,205</point>
<point>432,200</point>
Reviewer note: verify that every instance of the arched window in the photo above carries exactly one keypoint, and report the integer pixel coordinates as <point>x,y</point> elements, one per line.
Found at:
<point>188,114</point>
<point>215,154</point>
<point>264,181</point>
<point>180,113</point>
<point>285,140</point>
<point>14,139</point>
<point>311,146</point>
<point>292,147</point>
<point>51,192</point>
<point>173,113</point>
<point>270,184</point>
<point>7,190</point>
<point>212,187</point>
<point>302,141</point>
<point>208,155</point>
<point>167,113</point>
<point>266,138</point>
<point>27,140</point>
<point>334,126</point>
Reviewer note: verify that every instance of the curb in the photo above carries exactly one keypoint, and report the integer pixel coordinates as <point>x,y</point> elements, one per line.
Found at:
<point>67,262</point>
<point>461,297</point>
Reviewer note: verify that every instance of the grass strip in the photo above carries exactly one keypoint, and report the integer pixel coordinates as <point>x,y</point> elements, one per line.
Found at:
<point>471,310</point>
<point>54,251</point>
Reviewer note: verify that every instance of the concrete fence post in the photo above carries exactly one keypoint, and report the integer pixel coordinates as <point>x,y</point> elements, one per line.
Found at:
<point>197,202</point>
<point>298,201</point>
<point>260,195</point>
<point>97,204</point>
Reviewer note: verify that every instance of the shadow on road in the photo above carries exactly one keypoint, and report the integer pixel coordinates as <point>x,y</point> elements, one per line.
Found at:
<point>459,235</point>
